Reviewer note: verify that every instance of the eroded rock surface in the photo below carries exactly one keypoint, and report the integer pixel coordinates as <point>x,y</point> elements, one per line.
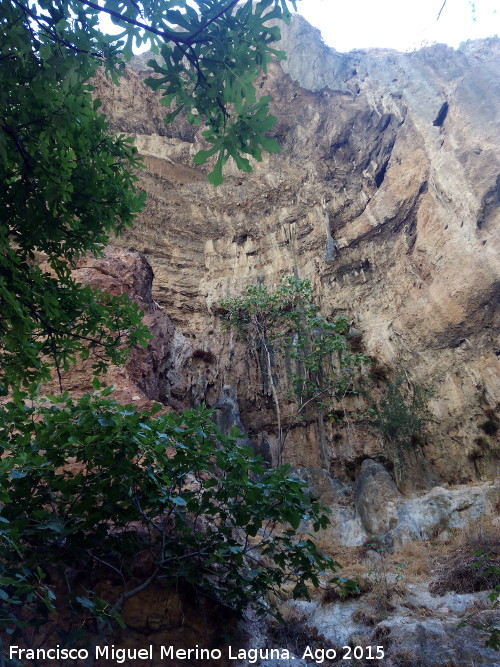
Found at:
<point>372,510</point>
<point>385,196</point>
<point>155,373</point>
<point>421,630</point>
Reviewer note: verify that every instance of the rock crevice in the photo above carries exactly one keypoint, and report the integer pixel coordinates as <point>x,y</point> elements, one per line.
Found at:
<point>401,152</point>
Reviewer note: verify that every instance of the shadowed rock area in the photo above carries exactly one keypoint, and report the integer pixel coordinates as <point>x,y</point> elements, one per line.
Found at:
<point>385,196</point>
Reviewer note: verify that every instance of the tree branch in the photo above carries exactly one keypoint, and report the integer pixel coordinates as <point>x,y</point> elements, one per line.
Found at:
<point>135,591</point>
<point>171,36</point>
<point>224,10</point>
<point>440,11</point>
<point>56,38</point>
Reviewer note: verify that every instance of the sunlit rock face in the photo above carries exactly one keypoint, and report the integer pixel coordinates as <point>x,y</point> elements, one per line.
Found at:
<point>385,195</point>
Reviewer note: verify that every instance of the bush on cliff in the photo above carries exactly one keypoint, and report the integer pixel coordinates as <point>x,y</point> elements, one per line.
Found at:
<point>284,324</point>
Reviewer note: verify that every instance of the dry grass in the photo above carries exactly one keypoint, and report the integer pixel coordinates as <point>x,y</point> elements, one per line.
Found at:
<point>382,578</point>
<point>412,561</point>
<point>416,558</point>
<point>350,559</point>
<point>296,633</point>
<point>466,568</point>
<point>365,617</point>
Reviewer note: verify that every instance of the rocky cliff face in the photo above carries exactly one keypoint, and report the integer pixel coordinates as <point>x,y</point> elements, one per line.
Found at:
<point>152,373</point>
<point>385,196</point>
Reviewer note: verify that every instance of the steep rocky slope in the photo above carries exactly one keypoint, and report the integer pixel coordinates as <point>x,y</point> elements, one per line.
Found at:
<point>385,196</point>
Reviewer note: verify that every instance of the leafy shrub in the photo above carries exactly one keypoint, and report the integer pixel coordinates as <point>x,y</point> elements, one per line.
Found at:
<point>87,484</point>
<point>488,574</point>
<point>403,419</point>
<point>285,323</point>
<point>473,567</point>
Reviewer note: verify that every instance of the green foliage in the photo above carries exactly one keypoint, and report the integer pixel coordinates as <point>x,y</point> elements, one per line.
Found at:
<point>491,629</point>
<point>402,419</point>
<point>67,183</point>
<point>286,323</point>
<point>211,53</point>
<point>211,74</point>
<point>210,58</point>
<point>209,512</point>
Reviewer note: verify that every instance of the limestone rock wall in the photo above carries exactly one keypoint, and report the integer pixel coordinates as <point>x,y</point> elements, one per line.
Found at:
<point>385,196</point>
<point>153,373</point>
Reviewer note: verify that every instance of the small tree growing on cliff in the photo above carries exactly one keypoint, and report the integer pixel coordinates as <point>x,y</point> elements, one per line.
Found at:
<point>285,323</point>
<point>402,419</point>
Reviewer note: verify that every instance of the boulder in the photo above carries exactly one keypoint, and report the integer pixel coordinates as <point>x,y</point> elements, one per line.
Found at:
<point>345,526</point>
<point>376,498</point>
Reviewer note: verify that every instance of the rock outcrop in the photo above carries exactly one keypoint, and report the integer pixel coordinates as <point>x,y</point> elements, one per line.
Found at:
<point>153,373</point>
<point>385,196</point>
<point>374,509</point>
<point>376,498</point>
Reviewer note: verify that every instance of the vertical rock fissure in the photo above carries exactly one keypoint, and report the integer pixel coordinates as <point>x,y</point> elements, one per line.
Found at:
<point>331,246</point>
